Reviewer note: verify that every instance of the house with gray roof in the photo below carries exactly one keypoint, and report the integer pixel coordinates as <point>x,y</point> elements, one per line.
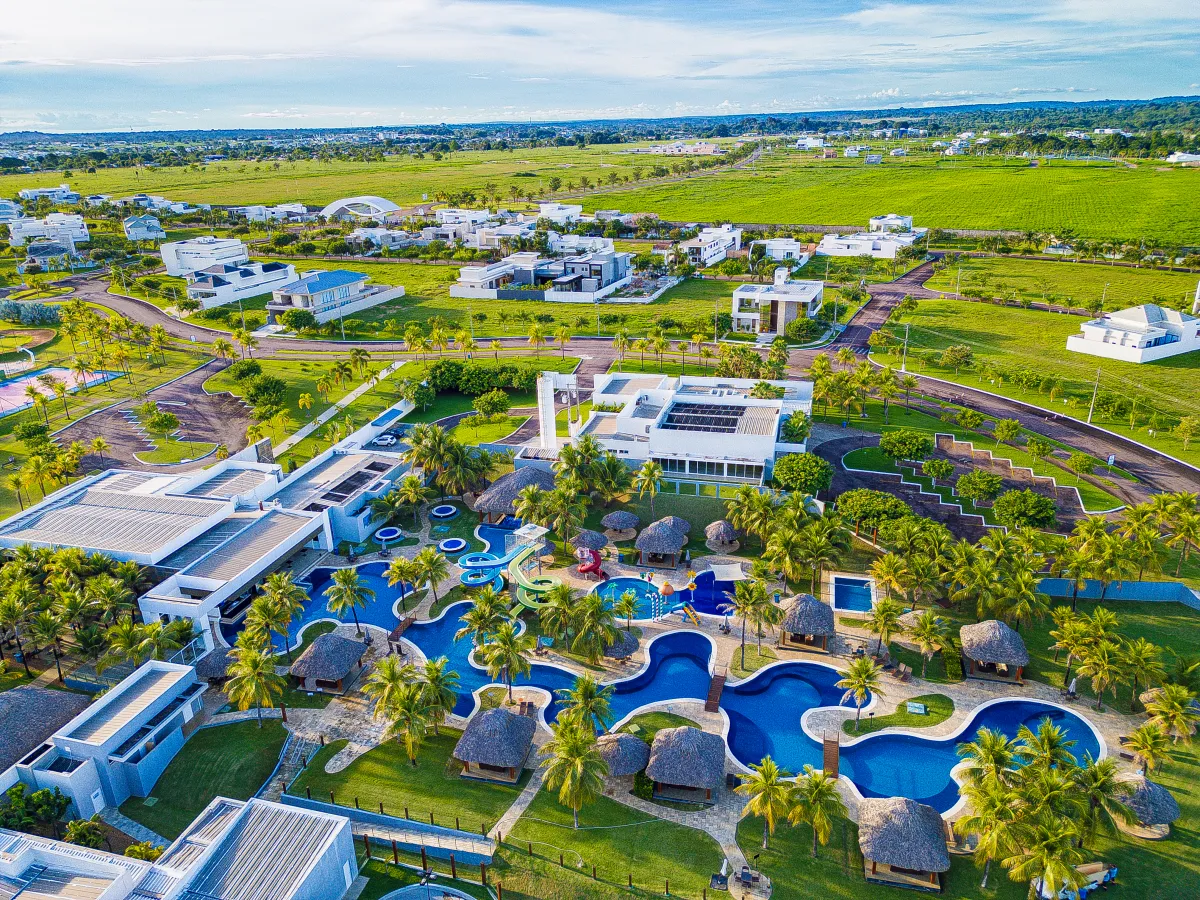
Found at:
<point>329,664</point>
<point>495,745</point>
<point>992,651</point>
<point>807,625</point>
<point>903,843</point>
<point>686,764</point>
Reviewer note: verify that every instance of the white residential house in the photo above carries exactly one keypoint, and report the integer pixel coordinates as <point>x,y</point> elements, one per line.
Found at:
<point>883,241</point>
<point>60,194</point>
<point>850,152</point>
<point>159,204</point>
<point>1139,334</point>
<point>455,216</point>
<point>143,228</point>
<point>94,201</point>
<point>62,228</point>
<point>10,210</point>
<point>1180,156</point>
<point>784,249</point>
<point>493,236</point>
<point>229,282</point>
<point>712,245</point>
<point>450,232</point>
<point>284,212</point>
<point>560,213</point>
<point>185,257</point>
<point>381,238</point>
<point>810,143</point>
<point>768,308</point>
<point>528,276</point>
<point>874,159</point>
<point>50,256</point>
<point>696,428</point>
<point>898,151</point>
<point>578,243</point>
<point>330,294</point>
<point>891,222</point>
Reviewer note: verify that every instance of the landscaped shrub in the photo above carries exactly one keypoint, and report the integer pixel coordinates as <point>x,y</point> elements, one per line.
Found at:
<point>245,368</point>
<point>298,319</point>
<point>28,312</point>
<point>1017,508</point>
<point>978,485</point>
<point>804,472</point>
<point>870,508</point>
<point>803,330</point>
<point>906,444</point>
<point>266,391</point>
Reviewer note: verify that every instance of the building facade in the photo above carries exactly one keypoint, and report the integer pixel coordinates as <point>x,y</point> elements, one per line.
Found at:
<point>712,245</point>
<point>182,258</point>
<point>228,283</point>
<point>766,309</point>
<point>330,294</point>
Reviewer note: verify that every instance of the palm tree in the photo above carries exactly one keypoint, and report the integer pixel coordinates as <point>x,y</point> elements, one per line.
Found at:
<point>1142,662</point>
<point>884,621</point>
<point>574,766</point>
<point>558,614</point>
<point>587,703</point>
<point>412,492</point>
<point>537,338</point>
<point>1047,855</point>
<point>13,614</point>
<point>432,565</point>
<point>595,628</point>
<point>408,718</point>
<point>1173,710</point>
<point>1102,665</point>
<point>990,757</point>
<point>99,446</point>
<point>993,816</point>
<point>860,680</point>
<point>348,594</point>
<point>747,597</point>
<point>440,684</point>
<point>626,606</point>
<point>816,802</point>
<point>785,556</point>
<point>288,598</point>
<point>48,629</point>
<point>222,348</point>
<point>1046,748</point>
<point>931,636</point>
<point>505,654</point>
<point>648,480</point>
<point>124,644</point>
<point>1099,789</point>
<point>1148,744</point>
<point>252,680</point>
<point>889,570</point>
<point>770,795</point>
<point>158,640</point>
<point>384,683</point>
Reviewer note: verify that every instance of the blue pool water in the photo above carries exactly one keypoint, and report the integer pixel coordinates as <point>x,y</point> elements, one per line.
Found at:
<point>710,595</point>
<point>649,601</point>
<point>765,712</point>
<point>853,594</point>
<point>378,612</point>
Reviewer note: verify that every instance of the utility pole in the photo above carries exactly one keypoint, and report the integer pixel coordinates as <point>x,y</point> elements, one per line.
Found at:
<point>958,283</point>
<point>904,358</point>
<point>1103,296</point>
<point>1095,391</point>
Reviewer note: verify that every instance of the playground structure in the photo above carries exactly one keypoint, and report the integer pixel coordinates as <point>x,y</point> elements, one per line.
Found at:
<point>590,563</point>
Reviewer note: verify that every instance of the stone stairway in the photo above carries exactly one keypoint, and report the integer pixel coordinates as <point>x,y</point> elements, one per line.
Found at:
<point>296,754</point>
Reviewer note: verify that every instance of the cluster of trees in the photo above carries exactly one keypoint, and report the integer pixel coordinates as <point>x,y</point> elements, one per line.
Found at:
<point>47,465</point>
<point>453,466</point>
<point>732,361</point>
<point>587,624</point>
<point>56,599</point>
<point>845,383</point>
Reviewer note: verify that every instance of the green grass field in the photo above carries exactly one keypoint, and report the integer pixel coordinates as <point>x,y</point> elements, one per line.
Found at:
<point>403,179</point>
<point>488,432</point>
<point>1070,283</point>
<point>224,761</point>
<point>1097,200</point>
<point>1036,341</point>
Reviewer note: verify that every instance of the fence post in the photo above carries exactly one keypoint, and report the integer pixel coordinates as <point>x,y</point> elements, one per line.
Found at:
<point>308,792</point>
<point>531,848</point>
<point>668,891</point>
<point>483,828</point>
<point>561,864</point>
<point>456,828</point>
<point>367,845</point>
<point>453,868</point>
<point>424,861</point>
<point>593,871</point>
<point>406,812</point>
<point>499,890</point>
<point>381,807</point>
<point>395,853</point>
<point>431,822</point>
<point>483,874</point>
<point>356,803</point>
<point>631,881</point>
<point>331,800</point>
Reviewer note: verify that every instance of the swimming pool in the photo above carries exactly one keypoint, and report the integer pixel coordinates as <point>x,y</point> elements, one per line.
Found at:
<point>710,595</point>
<point>765,711</point>
<point>853,594</point>
<point>382,611</point>
<point>12,390</point>
<point>650,603</point>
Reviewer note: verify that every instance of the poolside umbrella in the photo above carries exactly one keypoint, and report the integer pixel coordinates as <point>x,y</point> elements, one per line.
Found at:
<point>624,645</point>
<point>589,540</point>
<point>1152,803</point>
<point>621,520</point>
<point>721,533</point>
<point>683,526</point>
<point>624,753</point>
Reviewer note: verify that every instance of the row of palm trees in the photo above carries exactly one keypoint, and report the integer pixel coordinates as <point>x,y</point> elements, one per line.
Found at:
<point>412,699</point>
<point>455,467</point>
<point>852,383</point>
<point>51,466</point>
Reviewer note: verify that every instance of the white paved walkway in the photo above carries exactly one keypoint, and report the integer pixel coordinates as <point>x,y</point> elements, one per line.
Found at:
<point>305,430</point>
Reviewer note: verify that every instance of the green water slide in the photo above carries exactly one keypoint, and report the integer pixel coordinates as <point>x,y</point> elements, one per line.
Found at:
<point>531,591</point>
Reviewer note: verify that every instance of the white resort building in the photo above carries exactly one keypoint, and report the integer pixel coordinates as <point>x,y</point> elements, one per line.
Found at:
<point>882,244</point>
<point>1139,334</point>
<point>330,294</point>
<point>60,194</point>
<point>767,309</point>
<point>182,258</point>
<point>698,428</point>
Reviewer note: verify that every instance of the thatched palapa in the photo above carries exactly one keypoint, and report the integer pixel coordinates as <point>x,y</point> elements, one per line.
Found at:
<point>1151,802</point>
<point>214,666</point>
<point>660,542</point>
<point>721,532</point>
<point>808,625</point>
<point>499,500</point>
<point>993,651</point>
<point>590,540</point>
<point>687,758</point>
<point>621,520</point>
<point>902,841</point>
<point>683,526</point>
<point>495,745</point>
<point>624,753</point>
<point>624,645</point>
<point>326,663</point>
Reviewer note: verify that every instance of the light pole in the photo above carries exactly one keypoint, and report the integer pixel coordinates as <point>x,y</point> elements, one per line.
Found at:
<point>904,358</point>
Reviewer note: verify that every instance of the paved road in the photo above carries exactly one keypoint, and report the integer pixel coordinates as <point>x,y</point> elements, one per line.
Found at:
<point>1157,472</point>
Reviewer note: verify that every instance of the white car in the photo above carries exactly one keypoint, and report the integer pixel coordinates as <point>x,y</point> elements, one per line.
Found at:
<point>385,440</point>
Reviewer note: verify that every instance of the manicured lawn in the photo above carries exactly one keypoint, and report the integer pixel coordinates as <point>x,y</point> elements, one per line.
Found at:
<point>915,420</point>
<point>1034,341</point>
<point>383,775</point>
<point>939,708</point>
<point>385,878</point>
<point>489,432</point>
<point>1070,283</point>
<point>1096,200</point>
<point>14,677</point>
<point>223,761</point>
<point>173,450</point>
<point>647,725</point>
<point>699,511</point>
<point>755,658</point>
<point>301,376</point>
<point>619,841</point>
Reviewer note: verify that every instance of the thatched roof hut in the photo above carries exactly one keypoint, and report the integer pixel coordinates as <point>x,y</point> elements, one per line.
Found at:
<point>807,625</point>
<point>624,753</point>
<point>1151,802</point>
<point>495,739</point>
<point>683,526</point>
<point>214,666</point>
<point>591,540</point>
<point>327,661</point>
<point>499,500</point>
<point>31,715</point>
<point>620,520</point>
<point>898,833</point>
<point>687,757</point>
<point>660,539</point>
<point>624,645</point>
<point>721,532</point>
<point>993,651</point>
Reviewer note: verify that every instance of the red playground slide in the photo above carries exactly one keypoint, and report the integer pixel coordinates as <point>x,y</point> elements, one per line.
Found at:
<point>592,567</point>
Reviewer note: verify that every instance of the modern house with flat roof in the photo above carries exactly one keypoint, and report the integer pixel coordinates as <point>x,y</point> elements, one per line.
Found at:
<point>891,222</point>
<point>331,294</point>
<point>877,244</point>
<point>284,212</point>
<point>1138,334</point>
<point>143,228</point>
<point>60,194</point>
<point>767,309</point>
<point>528,276</point>
<point>455,216</point>
<point>381,238</point>
<point>234,850</point>
<point>228,283</point>
<point>185,257</point>
<point>560,213</point>
<point>788,249</point>
<point>493,236</point>
<point>119,746</point>
<point>63,228</point>
<point>696,428</point>
<point>712,245</point>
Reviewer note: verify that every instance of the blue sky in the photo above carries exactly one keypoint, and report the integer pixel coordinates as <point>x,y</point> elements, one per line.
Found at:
<point>139,64</point>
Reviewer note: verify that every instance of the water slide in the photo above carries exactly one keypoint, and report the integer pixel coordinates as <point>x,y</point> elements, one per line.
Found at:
<point>530,590</point>
<point>592,566</point>
<point>489,560</point>
<point>691,614</point>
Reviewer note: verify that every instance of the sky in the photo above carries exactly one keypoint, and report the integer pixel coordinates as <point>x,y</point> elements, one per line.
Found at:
<point>109,65</point>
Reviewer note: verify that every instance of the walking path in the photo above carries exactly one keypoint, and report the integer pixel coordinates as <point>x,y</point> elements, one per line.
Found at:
<point>324,417</point>
<point>508,821</point>
<point>140,833</point>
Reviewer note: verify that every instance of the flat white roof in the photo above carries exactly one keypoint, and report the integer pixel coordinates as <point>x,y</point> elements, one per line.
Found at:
<point>126,702</point>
